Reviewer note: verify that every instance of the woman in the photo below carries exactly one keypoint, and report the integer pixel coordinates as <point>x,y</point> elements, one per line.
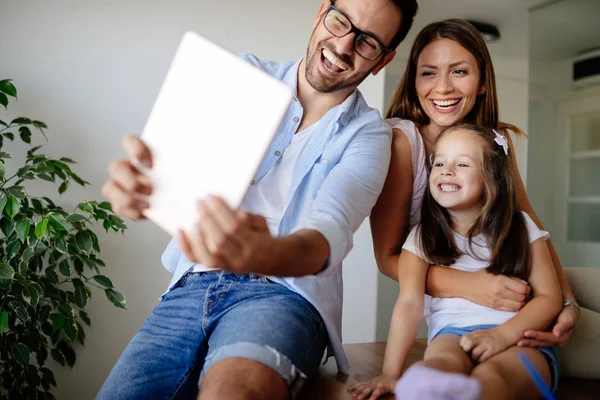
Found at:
<point>450,80</point>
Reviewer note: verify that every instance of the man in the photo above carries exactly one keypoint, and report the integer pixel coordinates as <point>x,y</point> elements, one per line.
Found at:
<point>256,295</point>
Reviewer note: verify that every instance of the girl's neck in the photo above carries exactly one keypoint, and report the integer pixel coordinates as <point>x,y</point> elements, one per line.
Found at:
<point>462,221</point>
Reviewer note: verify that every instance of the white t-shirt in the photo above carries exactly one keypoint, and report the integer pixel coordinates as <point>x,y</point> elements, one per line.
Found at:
<point>269,195</point>
<point>459,312</point>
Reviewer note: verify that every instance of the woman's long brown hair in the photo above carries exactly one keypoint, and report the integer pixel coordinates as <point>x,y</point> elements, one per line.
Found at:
<point>405,103</point>
<point>500,220</point>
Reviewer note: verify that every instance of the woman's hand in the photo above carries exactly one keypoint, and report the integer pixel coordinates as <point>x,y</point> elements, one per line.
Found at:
<point>484,344</point>
<point>499,292</point>
<point>373,388</point>
<point>560,334</point>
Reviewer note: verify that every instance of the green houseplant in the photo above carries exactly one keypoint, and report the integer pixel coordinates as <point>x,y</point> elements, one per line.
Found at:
<point>48,261</point>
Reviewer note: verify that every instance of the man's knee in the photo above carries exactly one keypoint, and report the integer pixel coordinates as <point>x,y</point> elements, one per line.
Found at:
<point>242,378</point>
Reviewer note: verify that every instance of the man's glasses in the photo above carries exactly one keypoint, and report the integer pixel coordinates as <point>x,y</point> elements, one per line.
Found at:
<point>365,44</point>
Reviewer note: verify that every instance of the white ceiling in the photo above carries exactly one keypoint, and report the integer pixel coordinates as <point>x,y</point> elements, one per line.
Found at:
<point>552,30</point>
<point>563,29</point>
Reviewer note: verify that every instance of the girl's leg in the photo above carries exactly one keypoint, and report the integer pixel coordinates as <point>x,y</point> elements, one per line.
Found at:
<point>505,377</point>
<point>442,375</point>
<point>445,354</point>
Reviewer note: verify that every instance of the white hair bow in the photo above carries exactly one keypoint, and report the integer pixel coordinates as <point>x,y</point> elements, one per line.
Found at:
<point>501,140</point>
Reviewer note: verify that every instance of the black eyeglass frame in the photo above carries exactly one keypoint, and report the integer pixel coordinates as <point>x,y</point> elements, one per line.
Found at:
<point>358,32</point>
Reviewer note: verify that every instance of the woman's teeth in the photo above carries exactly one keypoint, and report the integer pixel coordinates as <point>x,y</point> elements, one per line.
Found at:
<point>445,103</point>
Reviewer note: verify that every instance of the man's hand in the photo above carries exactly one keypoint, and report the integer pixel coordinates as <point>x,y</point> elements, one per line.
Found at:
<point>500,292</point>
<point>373,389</point>
<point>560,334</point>
<point>127,188</point>
<point>484,344</point>
<point>232,240</point>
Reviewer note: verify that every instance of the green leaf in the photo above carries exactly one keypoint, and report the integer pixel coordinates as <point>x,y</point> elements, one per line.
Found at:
<point>3,321</point>
<point>48,376</point>
<point>8,88</point>
<point>58,222</point>
<point>61,244</point>
<point>40,228</point>
<point>12,207</point>
<point>66,310</point>
<point>67,160</point>
<point>3,100</point>
<point>6,271</point>
<point>22,228</point>
<point>25,134</point>
<point>85,318</point>
<point>31,296</point>
<point>21,353</point>
<point>17,191</point>
<point>86,207</point>
<point>7,226</point>
<point>27,254</point>
<point>70,329</point>
<point>9,135</point>
<point>104,281</point>
<point>37,206</point>
<point>105,205</point>
<point>39,124</point>
<point>83,241</point>
<point>12,249</point>
<point>80,296</point>
<point>3,200</point>
<point>65,268</point>
<point>58,321</point>
<point>63,187</point>
<point>52,275</point>
<point>75,218</point>
<point>21,121</point>
<point>19,310</point>
<point>116,298</point>
<point>58,356</point>
<point>2,171</point>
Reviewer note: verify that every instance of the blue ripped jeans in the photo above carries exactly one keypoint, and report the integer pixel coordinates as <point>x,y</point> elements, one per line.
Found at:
<point>212,316</point>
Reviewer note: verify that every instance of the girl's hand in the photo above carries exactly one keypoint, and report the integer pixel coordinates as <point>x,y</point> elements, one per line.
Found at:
<point>373,389</point>
<point>561,332</point>
<point>485,344</point>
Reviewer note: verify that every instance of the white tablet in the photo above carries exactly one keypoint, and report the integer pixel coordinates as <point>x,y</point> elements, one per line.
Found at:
<point>210,127</point>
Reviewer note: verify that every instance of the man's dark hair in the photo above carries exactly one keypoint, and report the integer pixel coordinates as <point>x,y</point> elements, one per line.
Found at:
<point>408,9</point>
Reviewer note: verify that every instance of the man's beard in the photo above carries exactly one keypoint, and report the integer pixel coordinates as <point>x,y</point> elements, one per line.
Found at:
<point>318,83</point>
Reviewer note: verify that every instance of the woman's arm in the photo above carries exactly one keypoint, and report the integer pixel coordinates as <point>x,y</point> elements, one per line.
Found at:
<point>537,314</point>
<point>390,216</point>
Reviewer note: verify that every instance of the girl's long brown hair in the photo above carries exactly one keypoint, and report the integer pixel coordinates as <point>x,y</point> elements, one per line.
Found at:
<point>405,103</point>
<point>500,220</point>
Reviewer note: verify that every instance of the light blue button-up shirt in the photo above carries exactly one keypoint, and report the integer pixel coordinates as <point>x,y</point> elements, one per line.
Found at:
<point>335,184</point>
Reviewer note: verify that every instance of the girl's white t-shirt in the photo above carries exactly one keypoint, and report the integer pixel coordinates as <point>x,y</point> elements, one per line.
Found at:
<point>459,312</point>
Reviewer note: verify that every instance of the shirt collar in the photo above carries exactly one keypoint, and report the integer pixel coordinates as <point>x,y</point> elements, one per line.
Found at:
<point>343,110</point>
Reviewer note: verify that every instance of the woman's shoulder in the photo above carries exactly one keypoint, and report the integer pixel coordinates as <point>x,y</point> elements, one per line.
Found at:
<point>402,124</point>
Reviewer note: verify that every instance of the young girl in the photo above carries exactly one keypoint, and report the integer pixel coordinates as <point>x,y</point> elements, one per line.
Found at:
<point>470,220</point>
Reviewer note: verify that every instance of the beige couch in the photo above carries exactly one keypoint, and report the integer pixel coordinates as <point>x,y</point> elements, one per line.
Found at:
<point>580,358</point>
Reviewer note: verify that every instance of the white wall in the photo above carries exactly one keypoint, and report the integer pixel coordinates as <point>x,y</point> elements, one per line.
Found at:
<point>91,71</point>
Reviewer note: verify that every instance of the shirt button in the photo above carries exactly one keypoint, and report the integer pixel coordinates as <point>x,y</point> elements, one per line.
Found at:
<point>252,182</point>
<point>296,119</point>
<point>277,153</point>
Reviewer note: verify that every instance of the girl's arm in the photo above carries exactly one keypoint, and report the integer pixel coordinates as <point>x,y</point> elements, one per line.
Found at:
<point>389,218</point>
<point>408,312</point>
<point>537,314</point>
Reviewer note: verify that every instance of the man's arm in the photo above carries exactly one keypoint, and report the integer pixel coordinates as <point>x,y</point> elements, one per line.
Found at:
<point>241,242</point>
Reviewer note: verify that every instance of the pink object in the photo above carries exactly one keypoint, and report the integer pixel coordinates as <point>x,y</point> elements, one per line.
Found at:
<point>423,383</point>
